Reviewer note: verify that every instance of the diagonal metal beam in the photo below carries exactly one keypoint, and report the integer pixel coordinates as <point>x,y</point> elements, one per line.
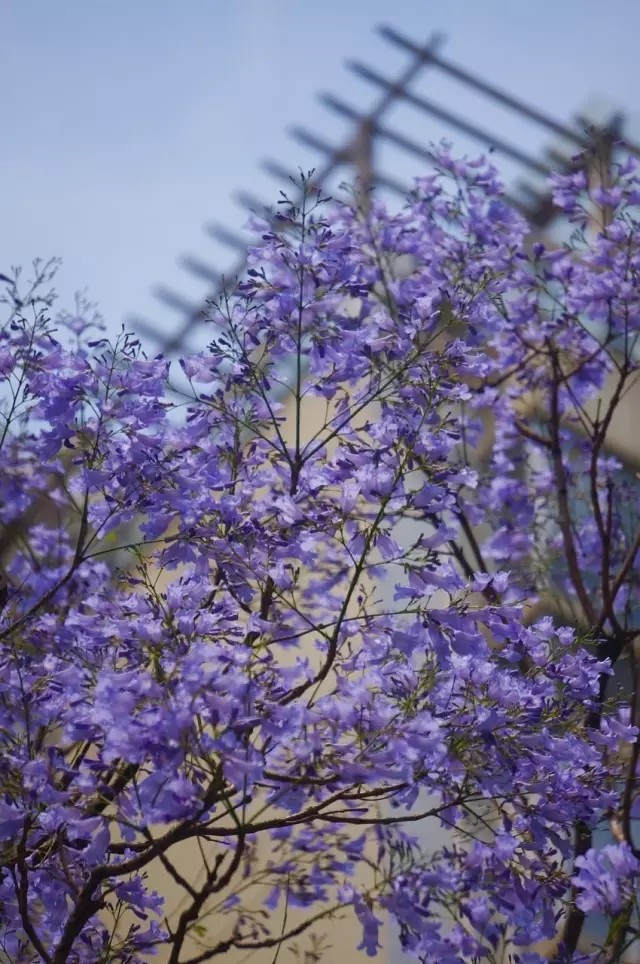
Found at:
<point>337,157</point>
<point>225,236</point>
<point>200,269</point>
<point>452,120</point>
<point>276,169</point>
<point>368,128</point>
<point>493,93</point>
<point>423,55</point>
<point>173,300</point>
<point>251,202</point>
<point>391,184</point>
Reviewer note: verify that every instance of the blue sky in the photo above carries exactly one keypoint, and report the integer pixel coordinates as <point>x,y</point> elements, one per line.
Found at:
<point>127,124</point>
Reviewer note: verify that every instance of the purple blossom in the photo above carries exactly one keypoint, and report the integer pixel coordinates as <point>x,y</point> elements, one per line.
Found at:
<point>285,644</point>
<point>606,878</point>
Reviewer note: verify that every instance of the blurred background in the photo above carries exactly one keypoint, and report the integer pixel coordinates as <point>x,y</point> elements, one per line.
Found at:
<point>128,126</point>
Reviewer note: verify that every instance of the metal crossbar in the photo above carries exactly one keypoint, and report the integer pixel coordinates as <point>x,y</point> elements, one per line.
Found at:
<point>358,152</point>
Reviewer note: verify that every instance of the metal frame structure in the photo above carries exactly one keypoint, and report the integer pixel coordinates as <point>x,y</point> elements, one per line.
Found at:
<point>359,151</point>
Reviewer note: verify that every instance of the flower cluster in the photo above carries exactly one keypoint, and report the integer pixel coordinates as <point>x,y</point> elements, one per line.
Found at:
<point>279,606</point>
<point>607,878</point>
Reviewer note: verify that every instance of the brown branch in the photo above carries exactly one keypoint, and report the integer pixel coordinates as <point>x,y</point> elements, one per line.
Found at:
<point>575,919</point>
<point>625,567</point>
<point>563,495</point>
<point>176,875</point>
<point>223,946</point>
<point>532,435</point>
<point>22,890</point>
<point>632,769</point>
<point>211,886</point>
<point>605,529</point>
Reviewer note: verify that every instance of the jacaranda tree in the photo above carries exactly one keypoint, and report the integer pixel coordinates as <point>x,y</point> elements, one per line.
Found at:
<point>365,562</point>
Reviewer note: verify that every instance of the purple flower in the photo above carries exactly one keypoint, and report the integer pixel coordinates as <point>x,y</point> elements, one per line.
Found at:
<point>370,942</point>
<point>266,631</point>
<point>606,878</point>
<point>11,821</point>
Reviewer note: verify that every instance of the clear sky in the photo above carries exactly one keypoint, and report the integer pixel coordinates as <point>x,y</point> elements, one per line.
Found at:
<point>127,124</point>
